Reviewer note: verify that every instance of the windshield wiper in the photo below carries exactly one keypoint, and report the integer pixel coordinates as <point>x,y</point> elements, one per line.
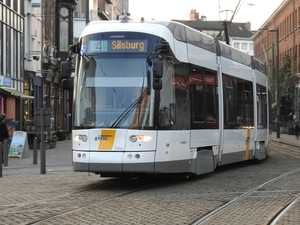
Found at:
<point>125,114</point>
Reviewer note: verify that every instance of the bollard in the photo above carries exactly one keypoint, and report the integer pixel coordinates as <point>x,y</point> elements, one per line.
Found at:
<point>1,158</point>
<point>5,150</point>
<point>35,151</point>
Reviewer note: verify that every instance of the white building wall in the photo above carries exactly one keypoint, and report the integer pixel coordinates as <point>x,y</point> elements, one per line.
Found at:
<point>243,42</point>
<point>33,37</point>
<point>79,25</point>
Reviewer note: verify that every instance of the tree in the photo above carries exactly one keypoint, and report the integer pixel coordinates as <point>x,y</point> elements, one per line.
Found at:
<point>287,87</point>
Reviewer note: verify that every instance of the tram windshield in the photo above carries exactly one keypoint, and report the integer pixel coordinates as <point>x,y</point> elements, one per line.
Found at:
<point>111,81</point>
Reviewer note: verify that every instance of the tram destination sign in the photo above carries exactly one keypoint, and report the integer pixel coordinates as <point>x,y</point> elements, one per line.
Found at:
<point>115,46</point>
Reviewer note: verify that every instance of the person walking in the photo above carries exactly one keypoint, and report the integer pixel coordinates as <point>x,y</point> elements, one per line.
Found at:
<point>3,130</point>
<point>297,130</point>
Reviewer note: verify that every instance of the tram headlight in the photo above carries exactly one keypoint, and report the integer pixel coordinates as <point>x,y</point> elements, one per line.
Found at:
<point>135,138</point>
<point>78,137</point>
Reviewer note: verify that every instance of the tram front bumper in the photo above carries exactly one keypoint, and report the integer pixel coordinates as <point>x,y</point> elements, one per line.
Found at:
<point>114,162</point>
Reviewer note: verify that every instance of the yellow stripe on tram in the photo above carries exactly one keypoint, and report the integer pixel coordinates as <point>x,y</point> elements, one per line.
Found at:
<point>247,144</point>
<point>107,139</point>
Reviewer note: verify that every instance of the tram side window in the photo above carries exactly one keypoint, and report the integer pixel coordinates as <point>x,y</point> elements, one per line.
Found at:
<point>88,94</point>
<point>262,107</point>
<point>197,108</point>
<point>211,100</point>
<point>204,99</point>
<point>229,113</point>
<point>244,103</point>
<point>174,103</point>
<point>238,103</point>
<point>181,104</point>
<point>166,97</point>
<point>248,104</point>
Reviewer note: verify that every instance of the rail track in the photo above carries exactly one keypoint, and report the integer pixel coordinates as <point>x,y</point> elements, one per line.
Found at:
<point>285,148</point>
<point>57,209</point>
<point>284,198</point>
<point>245,193</point>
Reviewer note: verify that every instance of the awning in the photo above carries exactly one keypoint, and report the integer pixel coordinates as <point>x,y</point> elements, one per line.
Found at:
<point>16,93</point>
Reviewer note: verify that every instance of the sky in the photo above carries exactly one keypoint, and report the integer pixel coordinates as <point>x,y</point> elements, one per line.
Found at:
<point>254,11</point>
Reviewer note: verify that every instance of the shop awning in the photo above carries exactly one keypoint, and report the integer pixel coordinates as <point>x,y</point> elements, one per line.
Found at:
<point>16,93</point>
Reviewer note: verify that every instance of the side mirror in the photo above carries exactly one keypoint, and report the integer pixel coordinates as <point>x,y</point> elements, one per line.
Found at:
<point>157,84</point>
<point>157,75</point>
<point>158,69</point>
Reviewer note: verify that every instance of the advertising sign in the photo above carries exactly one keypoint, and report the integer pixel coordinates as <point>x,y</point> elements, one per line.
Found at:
<point>19,145</point>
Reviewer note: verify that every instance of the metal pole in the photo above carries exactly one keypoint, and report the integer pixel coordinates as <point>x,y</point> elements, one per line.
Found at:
<point>43,153</point>
<point>87,12</point>
<point>278,85</point>
<point>35,146</point>
<point>42,144</point>
<point>274,99</point>
<point>5,150</point>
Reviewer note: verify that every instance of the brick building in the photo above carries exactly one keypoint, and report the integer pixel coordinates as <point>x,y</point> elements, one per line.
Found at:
<point>286,21</point>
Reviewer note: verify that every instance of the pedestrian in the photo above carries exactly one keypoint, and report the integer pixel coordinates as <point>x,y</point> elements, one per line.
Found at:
<point>3,130</point>
<point>297,130</point>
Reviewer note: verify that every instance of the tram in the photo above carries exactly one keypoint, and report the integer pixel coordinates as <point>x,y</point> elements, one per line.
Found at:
<point>159,97</point>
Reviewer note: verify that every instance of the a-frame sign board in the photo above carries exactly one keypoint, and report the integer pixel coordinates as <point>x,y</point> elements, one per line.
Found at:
<point>19,145</point>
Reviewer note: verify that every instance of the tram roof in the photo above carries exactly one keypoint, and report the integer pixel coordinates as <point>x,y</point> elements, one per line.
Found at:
<point>180,32</point>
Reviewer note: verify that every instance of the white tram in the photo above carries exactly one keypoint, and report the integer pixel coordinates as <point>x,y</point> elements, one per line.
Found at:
<point>160,97</point>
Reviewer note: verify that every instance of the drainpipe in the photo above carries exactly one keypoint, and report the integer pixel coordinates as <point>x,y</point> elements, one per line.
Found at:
<point>87,12</point>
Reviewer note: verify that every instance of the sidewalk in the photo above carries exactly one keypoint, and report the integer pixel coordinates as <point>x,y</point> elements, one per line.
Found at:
<point>57,159</point>
<point>286,139</point>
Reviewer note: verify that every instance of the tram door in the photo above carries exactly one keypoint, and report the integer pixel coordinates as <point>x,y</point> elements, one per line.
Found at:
<point>262,112</point>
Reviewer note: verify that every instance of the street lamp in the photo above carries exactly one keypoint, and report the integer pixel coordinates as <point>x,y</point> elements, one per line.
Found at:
<point>278,80</point>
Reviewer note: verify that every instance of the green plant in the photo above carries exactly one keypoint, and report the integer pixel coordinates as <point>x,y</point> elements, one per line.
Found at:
<point>287,88</point>
<point>53,140</point>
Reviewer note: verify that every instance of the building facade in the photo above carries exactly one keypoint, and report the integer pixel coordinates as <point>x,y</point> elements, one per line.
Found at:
<point>14,92</point>
<point>285,22</point>
<point>52,26</point>
<point>48,34</point>
<point>34,39</point>
<point>32,62</point>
